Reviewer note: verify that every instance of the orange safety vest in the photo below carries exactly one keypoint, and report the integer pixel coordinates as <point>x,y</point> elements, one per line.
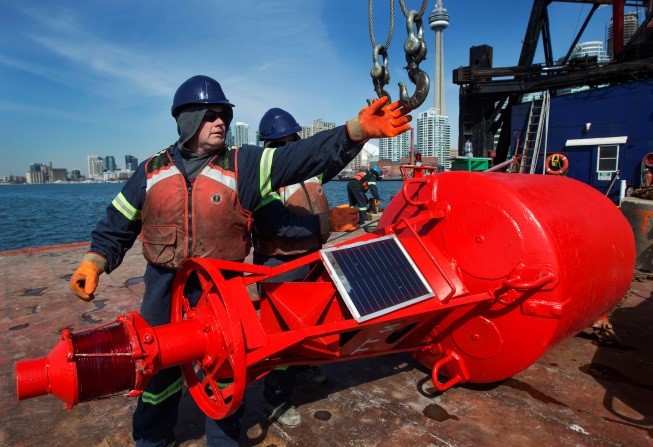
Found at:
<point>360,176</point>
<point>203,221</point>
<point>306,197</point>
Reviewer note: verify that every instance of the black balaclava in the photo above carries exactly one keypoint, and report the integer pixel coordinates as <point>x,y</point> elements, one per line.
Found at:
<point>190,118</point>
<point>188,122</point>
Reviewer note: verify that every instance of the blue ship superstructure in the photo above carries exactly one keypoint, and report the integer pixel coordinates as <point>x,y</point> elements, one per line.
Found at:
<point>604,133</point>
<point>584,115</point>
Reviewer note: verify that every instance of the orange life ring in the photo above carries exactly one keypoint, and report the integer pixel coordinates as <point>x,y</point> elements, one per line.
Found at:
<point>556,164</point>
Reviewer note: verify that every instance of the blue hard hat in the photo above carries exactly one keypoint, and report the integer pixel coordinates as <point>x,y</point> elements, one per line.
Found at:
<point>377,170</point>
<point>199,90</point>
<point>277,123</point>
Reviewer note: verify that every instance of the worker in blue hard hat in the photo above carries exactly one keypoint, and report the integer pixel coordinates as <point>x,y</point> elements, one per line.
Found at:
<point>291,222</point>
<point>196,198</point>
<point>357,188</point>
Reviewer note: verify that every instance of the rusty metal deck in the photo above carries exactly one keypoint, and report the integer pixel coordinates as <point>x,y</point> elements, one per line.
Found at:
<point>578,394</point>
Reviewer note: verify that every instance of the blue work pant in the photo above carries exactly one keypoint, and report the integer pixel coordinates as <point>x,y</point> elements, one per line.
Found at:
<point>156,411</point>
<point>358,199</point>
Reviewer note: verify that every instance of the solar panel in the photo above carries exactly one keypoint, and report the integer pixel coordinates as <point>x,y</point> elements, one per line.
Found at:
<point>375,277</point>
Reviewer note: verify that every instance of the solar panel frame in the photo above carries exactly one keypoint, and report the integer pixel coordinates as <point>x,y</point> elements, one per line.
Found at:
<point>360,272</point>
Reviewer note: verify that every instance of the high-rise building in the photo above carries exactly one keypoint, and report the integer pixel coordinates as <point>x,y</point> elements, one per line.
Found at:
<point>434,136</point>
<point>36,167</point>
<point>319,125</point>
<point>109,164</point>
<point>94,166</point>
<point>592,48</point>
<point>395,148</point>
<point>438,21</point>
<point>582,50</point>
<point>241,135</point>
<point>131,163</point>
<point>306,132</point>
<point>631,23</point>
<point>229,139</point>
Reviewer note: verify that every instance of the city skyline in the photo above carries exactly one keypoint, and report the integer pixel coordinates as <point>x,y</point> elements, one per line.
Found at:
<point>97,165</point>
<point>101,76</point>
<point>98,168</point>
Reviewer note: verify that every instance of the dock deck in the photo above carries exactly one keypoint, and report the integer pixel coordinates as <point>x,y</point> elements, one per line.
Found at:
<point>578,394</point>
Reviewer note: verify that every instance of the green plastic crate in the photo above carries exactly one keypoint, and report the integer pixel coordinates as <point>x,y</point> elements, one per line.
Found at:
<point>470,164</point>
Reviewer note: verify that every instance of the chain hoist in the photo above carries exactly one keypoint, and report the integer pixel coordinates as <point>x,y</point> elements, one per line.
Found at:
<point>415,50</point>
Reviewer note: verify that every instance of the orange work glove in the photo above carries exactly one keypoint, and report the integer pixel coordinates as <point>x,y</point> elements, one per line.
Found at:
<point>379,120</point>
<point>344,218</point>
<point>85,279</point>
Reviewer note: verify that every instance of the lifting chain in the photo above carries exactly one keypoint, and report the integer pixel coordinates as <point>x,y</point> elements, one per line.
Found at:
<point>415,50</point>
<point>380,74</point>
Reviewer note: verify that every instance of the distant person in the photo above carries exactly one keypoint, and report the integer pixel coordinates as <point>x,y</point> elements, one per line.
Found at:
<point>439,165</point>
<point>357,188</point>
<point>374,201</point>
<point>294,221</point>
<point>469,150</point>
<point>196,198</point>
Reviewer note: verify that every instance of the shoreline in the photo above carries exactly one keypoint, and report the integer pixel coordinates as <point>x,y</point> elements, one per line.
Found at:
<point>43,248</point>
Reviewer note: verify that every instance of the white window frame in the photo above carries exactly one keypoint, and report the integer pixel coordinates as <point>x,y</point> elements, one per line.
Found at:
<point>598,158</point>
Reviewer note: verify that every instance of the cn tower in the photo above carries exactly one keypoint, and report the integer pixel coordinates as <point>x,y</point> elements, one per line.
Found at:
<point>438,21</point>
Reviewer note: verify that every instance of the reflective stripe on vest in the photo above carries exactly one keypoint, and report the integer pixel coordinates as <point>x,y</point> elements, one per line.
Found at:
<point>160,175</point>
<point>221,176</point>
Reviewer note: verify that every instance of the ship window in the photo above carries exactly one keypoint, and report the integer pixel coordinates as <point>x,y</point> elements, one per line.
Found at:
<point>608,158</point>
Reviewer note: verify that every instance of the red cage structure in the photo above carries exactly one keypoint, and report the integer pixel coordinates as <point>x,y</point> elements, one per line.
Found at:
<point>476,274</point>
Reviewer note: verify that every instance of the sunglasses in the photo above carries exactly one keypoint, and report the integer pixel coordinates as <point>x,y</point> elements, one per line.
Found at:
<point>211,115</point>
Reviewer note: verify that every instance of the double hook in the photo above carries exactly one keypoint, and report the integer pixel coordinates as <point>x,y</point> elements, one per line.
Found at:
<point>415,50</point>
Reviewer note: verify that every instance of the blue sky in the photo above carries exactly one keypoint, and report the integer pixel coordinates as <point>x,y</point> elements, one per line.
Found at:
<point>98,77</point>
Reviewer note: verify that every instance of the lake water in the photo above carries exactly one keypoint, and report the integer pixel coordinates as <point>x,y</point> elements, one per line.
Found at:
<point>36,215</point>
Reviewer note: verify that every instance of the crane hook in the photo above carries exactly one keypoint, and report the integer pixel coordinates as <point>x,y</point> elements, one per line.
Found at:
<point>421,81</point>
<point>415,49</point>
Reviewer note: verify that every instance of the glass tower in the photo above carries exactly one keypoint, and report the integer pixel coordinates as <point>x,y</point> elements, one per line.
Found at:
<point>241,135</point>
<point>434,136</point>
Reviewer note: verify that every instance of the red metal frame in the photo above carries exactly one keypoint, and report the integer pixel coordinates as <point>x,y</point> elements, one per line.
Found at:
<point>507,286</point>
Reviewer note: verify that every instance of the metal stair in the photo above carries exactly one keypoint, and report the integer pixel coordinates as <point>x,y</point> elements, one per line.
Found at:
<point>537,119</point>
